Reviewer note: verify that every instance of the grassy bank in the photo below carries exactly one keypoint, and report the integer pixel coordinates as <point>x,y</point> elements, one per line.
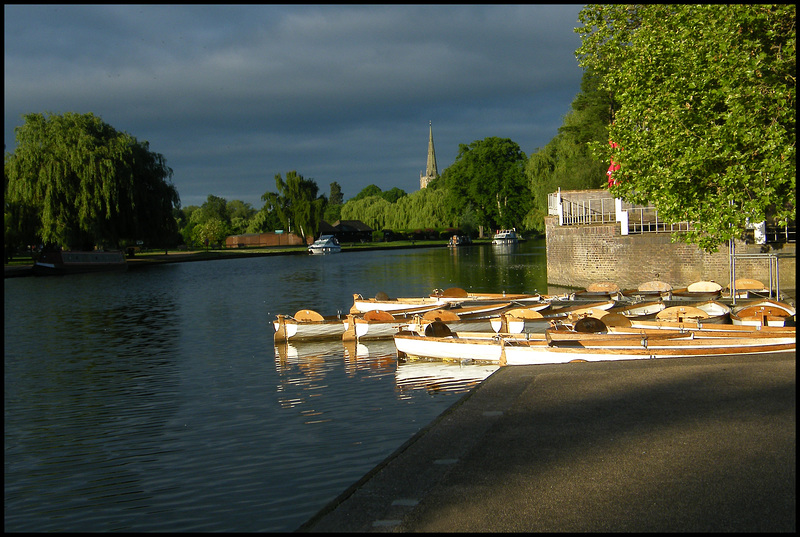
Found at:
<point>176,256</point>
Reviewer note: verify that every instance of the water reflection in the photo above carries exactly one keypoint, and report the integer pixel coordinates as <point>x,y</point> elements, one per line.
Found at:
<point>156,400</point>
<point>438,377</point>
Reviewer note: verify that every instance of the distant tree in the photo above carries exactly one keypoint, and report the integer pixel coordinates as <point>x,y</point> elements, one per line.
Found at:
<point>393,195</point>
<point>488,177</point>
<point>297,204</point>
<point>371,190</point>
<point>706,121</point>
<point>333,209</point>
<point>336,197</point>
<point>85,184</point>
<point>240,215</point>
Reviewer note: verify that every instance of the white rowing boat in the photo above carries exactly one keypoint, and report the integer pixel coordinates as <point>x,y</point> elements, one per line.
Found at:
<point>552,347</point>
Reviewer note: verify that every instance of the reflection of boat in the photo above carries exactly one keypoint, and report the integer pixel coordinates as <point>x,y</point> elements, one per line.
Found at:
<point>307,325</point>
<point>372,356</point>
<point>505,236</point>
<point>326,244</point>
<point>530,349</point>
<point>764,313</point>
<point>441,376</point>
<point>306,352</point>
<point>57,262</point>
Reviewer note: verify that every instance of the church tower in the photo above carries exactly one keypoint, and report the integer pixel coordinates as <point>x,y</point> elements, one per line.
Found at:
<point>431,172</point>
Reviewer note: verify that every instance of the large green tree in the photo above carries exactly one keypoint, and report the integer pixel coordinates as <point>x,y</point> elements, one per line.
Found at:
<point>84,183</point>
<point>566,161</point>
<point>488,177</point>
<point>297,204</point>
<point>705,125</point>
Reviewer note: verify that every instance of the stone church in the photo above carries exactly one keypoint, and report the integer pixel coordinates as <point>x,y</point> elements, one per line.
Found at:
<point>431,172</point>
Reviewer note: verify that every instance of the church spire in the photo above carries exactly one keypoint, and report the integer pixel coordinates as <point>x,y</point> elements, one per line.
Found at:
<point>431,171</point>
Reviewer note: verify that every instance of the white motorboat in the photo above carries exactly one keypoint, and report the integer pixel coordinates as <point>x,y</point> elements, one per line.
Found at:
<point>506,236</point>
<point>326,244</point>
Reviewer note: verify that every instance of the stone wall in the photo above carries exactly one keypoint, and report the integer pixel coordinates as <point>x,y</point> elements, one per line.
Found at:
<point>582,254</point>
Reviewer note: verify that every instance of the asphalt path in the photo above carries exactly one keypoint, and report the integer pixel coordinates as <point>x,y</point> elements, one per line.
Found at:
<point>667,445</point>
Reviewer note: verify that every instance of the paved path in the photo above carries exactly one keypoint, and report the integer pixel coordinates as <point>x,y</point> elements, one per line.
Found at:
<point>653,445</point>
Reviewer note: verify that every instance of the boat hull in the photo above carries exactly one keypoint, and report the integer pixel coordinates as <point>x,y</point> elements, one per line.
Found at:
<point>507,350</point>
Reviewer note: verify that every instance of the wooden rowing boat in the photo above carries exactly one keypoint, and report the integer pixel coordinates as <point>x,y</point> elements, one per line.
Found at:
<point>764,313</point>
<point>307,325</point>
<point>641,310</point>
<point>550,347</point>
<point>459,295</point>
<point>377,324</point>
<point>697,292</point>
<point>382,302</point>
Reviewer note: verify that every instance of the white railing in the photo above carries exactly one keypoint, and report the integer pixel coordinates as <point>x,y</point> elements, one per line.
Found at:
<point>604,209</point>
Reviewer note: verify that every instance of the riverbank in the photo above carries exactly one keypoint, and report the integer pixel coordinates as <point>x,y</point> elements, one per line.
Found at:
<point>20,269</point>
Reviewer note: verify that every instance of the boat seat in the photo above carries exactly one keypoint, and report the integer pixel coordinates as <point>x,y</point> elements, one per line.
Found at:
<point>440,315</point>
<point>438,329</point>
<point>590,325</point>
<point>308,315</point>
<point>378,315</point>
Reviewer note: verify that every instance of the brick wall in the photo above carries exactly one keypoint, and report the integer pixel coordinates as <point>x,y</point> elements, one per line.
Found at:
<point>252,240</point>
<point>580,255</point>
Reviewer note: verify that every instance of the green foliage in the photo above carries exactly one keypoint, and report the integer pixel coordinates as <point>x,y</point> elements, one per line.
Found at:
<point>372,210</point>
<point>240,214</point>
<point>488,177</point>
<point>371,190</point>
<point>86,183</point>
<point>297,204</point>
<point>706,115</point>
<point>566,162</point>
<point>336,196</point>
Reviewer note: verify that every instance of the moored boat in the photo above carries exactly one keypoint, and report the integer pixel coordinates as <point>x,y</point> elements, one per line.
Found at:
<point>640,310</point>
<point>58,262</point>
<point>697,292</point>
<point>547,348</point>
<point>307,325</point>
<point>326,244</point>
<point>505,236</point>
<point>746,288</point>
<point>764,313</point>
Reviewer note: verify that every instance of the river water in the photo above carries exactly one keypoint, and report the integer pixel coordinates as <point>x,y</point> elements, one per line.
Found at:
<point>156,400</point>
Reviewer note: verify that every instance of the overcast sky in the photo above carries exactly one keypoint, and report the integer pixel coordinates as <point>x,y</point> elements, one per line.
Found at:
<point>233,95</point>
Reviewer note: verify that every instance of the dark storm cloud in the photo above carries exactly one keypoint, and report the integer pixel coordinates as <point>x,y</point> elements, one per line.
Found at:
<point>232,95</point>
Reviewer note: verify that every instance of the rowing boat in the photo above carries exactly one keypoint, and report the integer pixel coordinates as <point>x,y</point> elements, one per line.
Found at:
<point>307,325</point>
<point>380,324</point>
<point>764,313</point>
<point>555,346</point>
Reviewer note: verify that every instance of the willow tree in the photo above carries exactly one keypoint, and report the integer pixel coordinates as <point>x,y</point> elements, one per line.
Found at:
<point>705,122</point>
<point>297,204</point>
<point>86,184</point>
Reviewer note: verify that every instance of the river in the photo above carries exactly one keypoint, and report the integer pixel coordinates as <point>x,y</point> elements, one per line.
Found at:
<point>155,399</point>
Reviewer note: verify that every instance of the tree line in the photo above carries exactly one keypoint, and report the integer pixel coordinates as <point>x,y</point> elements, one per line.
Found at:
<point>698,100</point>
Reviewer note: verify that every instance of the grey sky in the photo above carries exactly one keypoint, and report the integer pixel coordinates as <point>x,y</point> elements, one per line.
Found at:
<point>233,95</point>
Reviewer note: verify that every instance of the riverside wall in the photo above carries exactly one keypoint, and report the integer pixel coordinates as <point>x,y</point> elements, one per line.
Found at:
<point>579,255</point>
